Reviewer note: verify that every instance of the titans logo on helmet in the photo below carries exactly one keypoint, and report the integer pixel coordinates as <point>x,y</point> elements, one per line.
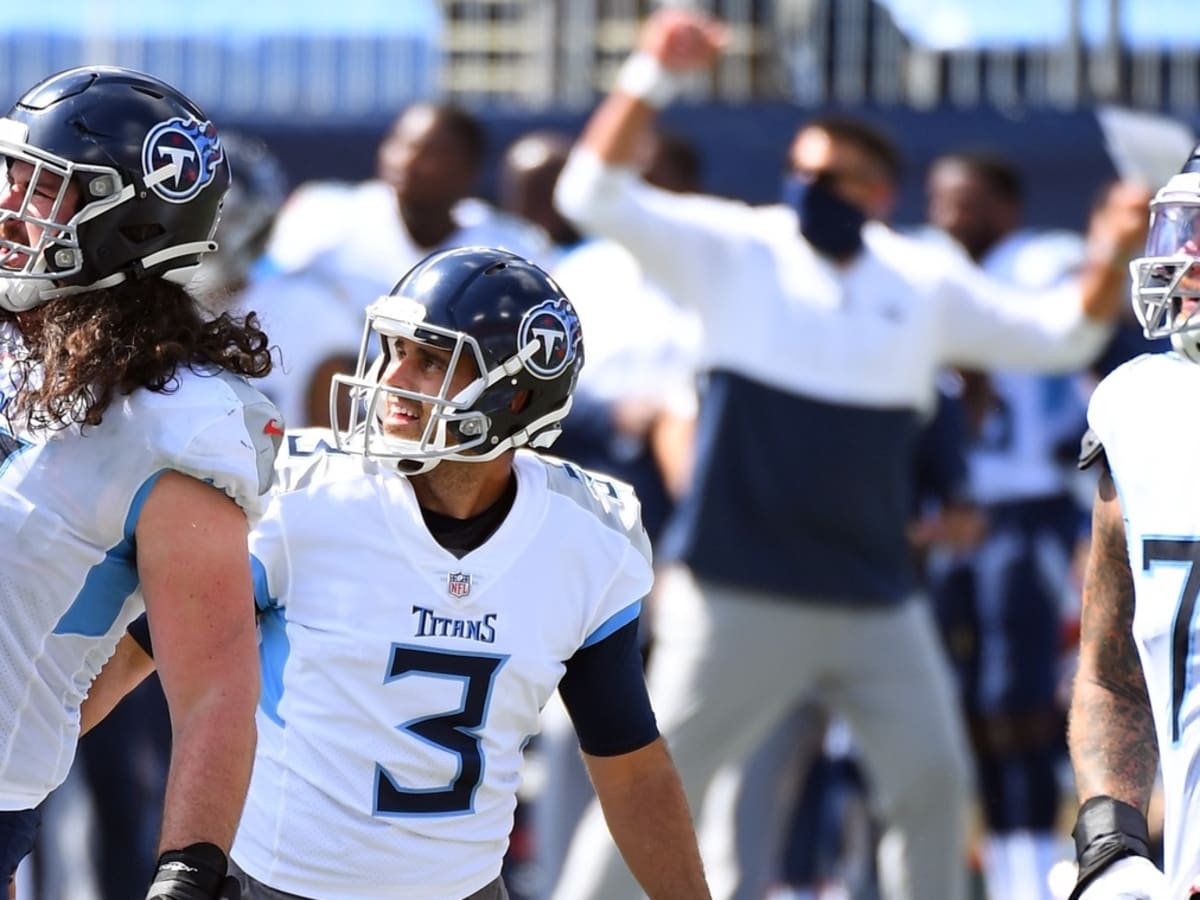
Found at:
<point>192,146</point>
<point>555,326</point>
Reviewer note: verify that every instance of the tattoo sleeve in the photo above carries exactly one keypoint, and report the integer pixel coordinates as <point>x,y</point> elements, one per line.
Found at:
<point>1112,740</point>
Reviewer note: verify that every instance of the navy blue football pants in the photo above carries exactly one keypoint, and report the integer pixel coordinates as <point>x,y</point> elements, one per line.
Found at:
<point>18,828</point>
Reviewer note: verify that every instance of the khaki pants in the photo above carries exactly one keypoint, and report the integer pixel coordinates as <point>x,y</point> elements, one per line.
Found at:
<point>730,665</point>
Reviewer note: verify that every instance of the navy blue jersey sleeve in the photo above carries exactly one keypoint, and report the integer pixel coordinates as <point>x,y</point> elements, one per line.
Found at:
<point>604,691</point>
<point>139,630</point>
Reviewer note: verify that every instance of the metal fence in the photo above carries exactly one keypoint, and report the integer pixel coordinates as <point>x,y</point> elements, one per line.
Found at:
<point>560,54</point>
<point>539,53</point>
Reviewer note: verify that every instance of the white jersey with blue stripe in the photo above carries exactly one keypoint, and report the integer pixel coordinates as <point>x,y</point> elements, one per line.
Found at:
<point>1151,440</point>
<point>69,505</point>
<point>400,683</point>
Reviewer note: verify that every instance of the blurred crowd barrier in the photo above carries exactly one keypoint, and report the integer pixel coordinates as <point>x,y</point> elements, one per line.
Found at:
<point>310,60</point>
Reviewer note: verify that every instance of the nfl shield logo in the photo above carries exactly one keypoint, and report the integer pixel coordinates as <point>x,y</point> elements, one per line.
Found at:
<point>458,584</point>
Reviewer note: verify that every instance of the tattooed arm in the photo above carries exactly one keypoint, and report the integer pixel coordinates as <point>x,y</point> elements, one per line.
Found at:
<point>1114,750</point>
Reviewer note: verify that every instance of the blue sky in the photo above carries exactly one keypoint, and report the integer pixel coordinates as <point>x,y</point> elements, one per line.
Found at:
<point>231,17</point>
<point>938,23</point>
<point>964,23</point>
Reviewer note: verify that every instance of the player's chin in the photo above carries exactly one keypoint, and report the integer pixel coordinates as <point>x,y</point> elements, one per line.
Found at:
<point>402,428</point>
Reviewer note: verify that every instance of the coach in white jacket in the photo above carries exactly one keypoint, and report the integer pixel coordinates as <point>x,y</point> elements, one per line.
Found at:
<point>823,333</point>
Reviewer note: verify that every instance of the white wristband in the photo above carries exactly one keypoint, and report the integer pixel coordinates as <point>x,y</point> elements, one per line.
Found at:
<point>643,77</point>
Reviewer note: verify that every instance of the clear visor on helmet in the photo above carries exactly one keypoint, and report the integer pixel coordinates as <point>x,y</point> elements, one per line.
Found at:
<point>445,426</point>
<point>41,207</point>
<point>1166,280</point>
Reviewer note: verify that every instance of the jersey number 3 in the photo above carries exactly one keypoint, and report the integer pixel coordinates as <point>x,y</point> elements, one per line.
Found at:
<point>453,731</point>
<point>1178,550</point>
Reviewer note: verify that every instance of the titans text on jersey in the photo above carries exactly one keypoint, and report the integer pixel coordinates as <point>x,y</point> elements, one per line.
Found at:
<point>401,682</point>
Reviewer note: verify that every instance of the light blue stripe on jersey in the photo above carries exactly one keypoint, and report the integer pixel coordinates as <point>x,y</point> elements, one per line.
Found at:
<point>274,646</point>
<point>109,583</point>
<point>617,620</point>
<point>273,650</point>
<point>262,591</point>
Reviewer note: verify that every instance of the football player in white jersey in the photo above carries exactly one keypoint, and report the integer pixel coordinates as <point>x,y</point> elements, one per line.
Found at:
<point>425,581</point>
<point>1136,702</point>
<point>132,452</point>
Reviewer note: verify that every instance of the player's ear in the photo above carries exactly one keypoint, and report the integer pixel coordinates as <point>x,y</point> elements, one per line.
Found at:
<point>519,400</point>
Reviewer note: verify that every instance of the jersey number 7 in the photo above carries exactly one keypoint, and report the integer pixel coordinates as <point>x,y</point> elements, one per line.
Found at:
<point>1178,550</point>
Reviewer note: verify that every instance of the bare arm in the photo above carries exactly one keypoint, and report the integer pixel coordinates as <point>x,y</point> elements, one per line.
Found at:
<point>128,667</point>
<point>195,575</point>
<point>681,41</point>
<point>672,441</point>
<point>1112,739</point>
<point>647,814</point>
<point>1116,233</point>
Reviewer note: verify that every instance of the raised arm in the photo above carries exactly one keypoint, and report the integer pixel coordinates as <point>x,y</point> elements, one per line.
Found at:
<point>1116,234</point>
<point>648,817</point>
<point>672,43</point>
<point>680,241</point>
<point>195,575</point>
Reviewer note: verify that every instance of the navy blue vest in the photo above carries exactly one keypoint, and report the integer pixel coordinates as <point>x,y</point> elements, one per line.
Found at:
<point>798,496</point>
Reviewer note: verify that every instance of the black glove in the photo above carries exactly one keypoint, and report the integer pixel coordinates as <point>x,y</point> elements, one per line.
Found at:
<point>1107,830</point>
<point>197,872</point>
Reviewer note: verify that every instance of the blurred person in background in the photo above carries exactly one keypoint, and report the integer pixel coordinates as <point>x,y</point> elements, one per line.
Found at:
<point>1003,605</point>
<point>256,195</point>
<point>335,247</point>
<point>824,332</point>
<point>806,821</point>
<point>1135,708</point>
<point>633,413</point>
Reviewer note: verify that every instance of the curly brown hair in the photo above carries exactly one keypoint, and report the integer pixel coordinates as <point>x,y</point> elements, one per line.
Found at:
<point>83,350</point>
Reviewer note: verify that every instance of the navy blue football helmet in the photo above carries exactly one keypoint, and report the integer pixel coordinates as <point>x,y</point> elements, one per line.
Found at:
<point>1166,278</point>
<point>149,171</point>
<point>509,317</point>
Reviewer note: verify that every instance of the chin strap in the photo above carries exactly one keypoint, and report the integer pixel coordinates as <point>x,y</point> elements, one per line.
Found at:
<point>1187,343</point>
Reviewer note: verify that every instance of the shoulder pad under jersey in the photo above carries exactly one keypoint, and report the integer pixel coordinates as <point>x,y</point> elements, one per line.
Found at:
<point>611,501</point>
<point>1090,450</point>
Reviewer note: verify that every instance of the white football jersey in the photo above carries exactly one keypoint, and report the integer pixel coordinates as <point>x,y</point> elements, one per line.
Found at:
<point>69,504</point>
<point>1139,412</point>
<point>400,683</point>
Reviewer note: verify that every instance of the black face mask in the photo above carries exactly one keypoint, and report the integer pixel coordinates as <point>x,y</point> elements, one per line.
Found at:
<point>831,225</point>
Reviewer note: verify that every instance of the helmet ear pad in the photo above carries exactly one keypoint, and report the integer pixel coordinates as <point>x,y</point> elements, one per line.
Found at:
<point>117,236</point>
<point>499,401</point>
